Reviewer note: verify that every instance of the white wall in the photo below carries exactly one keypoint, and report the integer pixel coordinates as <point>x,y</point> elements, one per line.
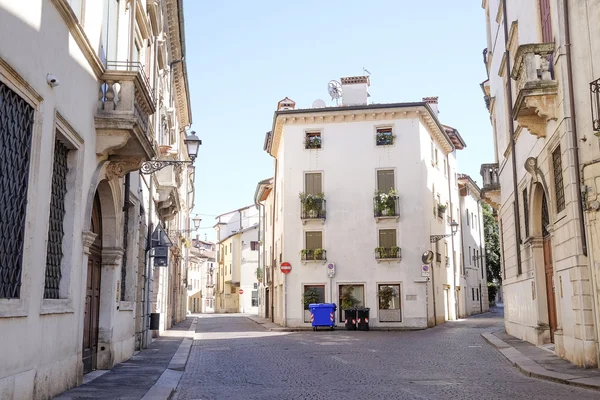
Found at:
<point>249,263</point>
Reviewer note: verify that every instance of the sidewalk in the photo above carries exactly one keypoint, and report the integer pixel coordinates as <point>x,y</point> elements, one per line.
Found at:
<point>149,374</point>
<point>541,363</point>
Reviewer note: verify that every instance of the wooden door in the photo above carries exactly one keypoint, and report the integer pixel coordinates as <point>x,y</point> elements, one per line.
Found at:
<point>92,294</point>
<point>550,288</point>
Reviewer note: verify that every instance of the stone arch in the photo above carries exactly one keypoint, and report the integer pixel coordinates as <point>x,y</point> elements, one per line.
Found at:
<point>539,222</point>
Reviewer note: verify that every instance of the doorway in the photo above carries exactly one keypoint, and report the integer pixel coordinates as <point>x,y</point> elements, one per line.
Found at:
<point>92,293</point>
<point>446,304</point>
<point>267,301</point>
<point>549,270</point>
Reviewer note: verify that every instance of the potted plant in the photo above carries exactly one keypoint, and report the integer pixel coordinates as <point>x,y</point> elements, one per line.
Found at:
<point>304,253</point>
<point>441,209</point>
<point>310,296</point>
<point>259,274</point>
<point>347,298</point>
<point>312,142</point>
<point>318,254</point>
<point>386,294</point>
<point>384,138</point>
<point>394,250</point>
<point>312,203</point>
<point>386,202</point>
<point>380,252</point>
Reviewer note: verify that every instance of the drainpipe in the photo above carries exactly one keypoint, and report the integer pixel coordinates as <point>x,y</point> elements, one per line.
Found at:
<point>148,266</point>
<point>575,148</point>
<point>481,251</point>
<point>274,257</point>
<point>126,206</point>
<point>511,131</point>
<point>452,237</point>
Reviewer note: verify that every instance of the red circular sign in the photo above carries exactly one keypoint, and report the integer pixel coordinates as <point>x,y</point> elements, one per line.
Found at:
<point>286,267</point>
<point>241,291</point>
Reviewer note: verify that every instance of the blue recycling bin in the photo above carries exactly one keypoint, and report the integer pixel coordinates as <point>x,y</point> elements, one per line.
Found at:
<point>322,314</point>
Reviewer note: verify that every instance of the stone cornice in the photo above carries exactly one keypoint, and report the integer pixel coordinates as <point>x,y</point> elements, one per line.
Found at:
<point>366,114</point>
<point>88,239</point>
<point>112,256</point>
<point>79,35</point>
<point>179,69</point>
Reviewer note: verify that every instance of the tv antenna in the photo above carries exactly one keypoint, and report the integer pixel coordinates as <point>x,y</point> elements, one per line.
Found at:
<point>335,90</point>
<point>367,71</point>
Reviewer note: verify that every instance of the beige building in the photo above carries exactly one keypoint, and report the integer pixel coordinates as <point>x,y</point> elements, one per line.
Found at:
<point>90,92</point>
<point>542,95</point>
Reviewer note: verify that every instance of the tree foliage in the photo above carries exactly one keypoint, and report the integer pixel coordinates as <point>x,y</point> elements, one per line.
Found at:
<point>492,244</point>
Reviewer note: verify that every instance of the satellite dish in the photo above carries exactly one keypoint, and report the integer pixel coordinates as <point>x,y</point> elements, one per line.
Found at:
<point>335,90</point>
<point>427,257</point>
<point>318,103</point>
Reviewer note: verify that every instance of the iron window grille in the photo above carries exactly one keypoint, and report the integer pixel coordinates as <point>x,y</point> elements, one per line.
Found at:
<point>312,140</point>
<point>54,253</point>
<point>558,180</point>
<point>16,125</point>
<point>384,137</point>
<point>526,212</point>
<point>595,104</point>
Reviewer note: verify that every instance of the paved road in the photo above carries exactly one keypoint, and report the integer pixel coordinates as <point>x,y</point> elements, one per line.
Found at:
<point>235,358</point>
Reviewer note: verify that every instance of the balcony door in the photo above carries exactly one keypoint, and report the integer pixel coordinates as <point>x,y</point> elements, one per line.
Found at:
<point>313,183</point>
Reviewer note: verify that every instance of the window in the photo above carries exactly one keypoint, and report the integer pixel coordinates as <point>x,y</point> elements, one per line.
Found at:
<point>385,180</point>
<point>312,140</point>
<point>312,294</point>
<point>384,137</point>
<point>432,154</point>
<point>15,135</point>
<point>546,21</point>
<point>350,296</point>
<point>445,169</point>
<point>526,212</point>
<point>469,255</point>
<point>255,298</point>
<point>54,249</point>
<point>436,158</point>
<point>255,285</point>
<point>468,218</point>
<point>473,294</point>
<point>389,303</point>
<point>313,249</point>
<point>254,245</point>
<point>231,247</point>
<point>313,183</point>
<point>388,246</point>
<point>558,180</point>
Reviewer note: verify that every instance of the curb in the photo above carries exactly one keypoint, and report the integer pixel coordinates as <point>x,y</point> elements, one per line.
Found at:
<point>272,327</point>
<point>167,383</point>
<point>530,368</point>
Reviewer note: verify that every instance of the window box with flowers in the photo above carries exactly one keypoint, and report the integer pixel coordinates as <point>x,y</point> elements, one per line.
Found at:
<point>384,137</point>
<point>388,253</point>
<point>312,206</point>
<point>386,204</point>
<point>441,210</point>
<point>312,140</point>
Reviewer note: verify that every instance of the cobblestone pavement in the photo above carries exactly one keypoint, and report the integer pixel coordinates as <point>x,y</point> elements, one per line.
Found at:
<point>235,358</point>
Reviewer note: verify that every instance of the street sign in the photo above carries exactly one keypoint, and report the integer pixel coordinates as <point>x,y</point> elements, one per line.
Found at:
<point>241,291</point>
<point>286,267</point>
<point>331,270</point>
<point>425,270</point>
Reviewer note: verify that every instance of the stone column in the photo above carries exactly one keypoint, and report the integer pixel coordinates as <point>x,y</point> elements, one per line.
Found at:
<point>110,285</point>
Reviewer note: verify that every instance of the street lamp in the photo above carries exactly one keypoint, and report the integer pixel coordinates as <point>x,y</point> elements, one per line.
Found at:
<point>192,142</point>
<point>453,227</point>
<point>196,221</point>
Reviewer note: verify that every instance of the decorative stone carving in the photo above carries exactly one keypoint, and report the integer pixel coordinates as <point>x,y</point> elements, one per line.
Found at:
<point>88,239</point>
<point>119,168</point>
<point>531,168</point>
<point>112,257</point>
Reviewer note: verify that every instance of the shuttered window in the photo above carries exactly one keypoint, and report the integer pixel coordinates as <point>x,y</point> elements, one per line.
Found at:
<point>312,183</point>
<point>546,21</point>
<point>559,188</point>
<point>387,238</point>
<point>314,240</point>
<point>385,180</point>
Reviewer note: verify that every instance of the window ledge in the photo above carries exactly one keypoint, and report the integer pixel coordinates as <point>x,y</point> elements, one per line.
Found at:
<point>57,306</point>
<point>313,261</point>
<point>126,306</point>
<point>379,260</point>
<point>384,217</point>
<point>321,220</point>
<point>10,308</point>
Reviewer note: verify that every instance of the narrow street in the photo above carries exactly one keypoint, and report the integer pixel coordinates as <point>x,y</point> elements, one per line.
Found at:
<point>233,357</point>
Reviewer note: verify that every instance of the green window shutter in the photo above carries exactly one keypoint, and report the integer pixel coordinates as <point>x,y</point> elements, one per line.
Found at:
<point>385,180</point>
<point>312,182</point>
<point>387,238</point>
<point>314,240</point>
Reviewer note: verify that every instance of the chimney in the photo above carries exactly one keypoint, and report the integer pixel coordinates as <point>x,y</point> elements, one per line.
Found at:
<point>286,104</point>
<point>355,90</point>
<point>433,103</point>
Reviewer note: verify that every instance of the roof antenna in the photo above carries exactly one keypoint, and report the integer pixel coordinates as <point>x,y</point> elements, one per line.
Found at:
<point>364,69</point>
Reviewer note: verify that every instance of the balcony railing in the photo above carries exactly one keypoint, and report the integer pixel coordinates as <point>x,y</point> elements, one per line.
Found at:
<point>132,66</point>
<point>388,253</point>
<point>489,173</point>
<point>313,208</point>
<point>388,206</point>
<point>595,103</point>
<point>536,87</point>
<point>313,255</point>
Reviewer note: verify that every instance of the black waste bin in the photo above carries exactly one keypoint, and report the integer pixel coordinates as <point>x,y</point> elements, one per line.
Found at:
<point>154,321</point>
<point>362,319</point>
<point>350,319</point>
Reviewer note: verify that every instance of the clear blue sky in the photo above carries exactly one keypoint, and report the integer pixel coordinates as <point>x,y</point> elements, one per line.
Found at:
<point>245,56</point>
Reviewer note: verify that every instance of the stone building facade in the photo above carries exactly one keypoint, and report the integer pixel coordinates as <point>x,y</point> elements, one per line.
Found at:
<point>82,105</point>
<point>541,93</point>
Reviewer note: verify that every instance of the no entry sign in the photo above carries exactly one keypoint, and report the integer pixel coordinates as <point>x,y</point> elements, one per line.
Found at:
<point>286,267</point>
<point>241,291</point>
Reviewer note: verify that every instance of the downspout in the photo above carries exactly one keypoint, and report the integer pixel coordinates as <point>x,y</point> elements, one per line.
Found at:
<point>452,237</point>
<point>274,257</point>
<point>574,126</point>
<point>511,131</point>
<point>481,253</point>
<point>148,265</point>
<point>126,206</point>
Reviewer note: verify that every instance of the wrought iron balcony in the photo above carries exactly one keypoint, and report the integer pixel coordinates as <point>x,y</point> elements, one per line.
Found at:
<point>438,257</point>
<point>386,207</point>
<point>491,185</point>
<point>313,255</point>
<point>536,87</point>
<point>125,105</point>
<point>313,208</point>
<point>388,253</point>
<point>595,102</point>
